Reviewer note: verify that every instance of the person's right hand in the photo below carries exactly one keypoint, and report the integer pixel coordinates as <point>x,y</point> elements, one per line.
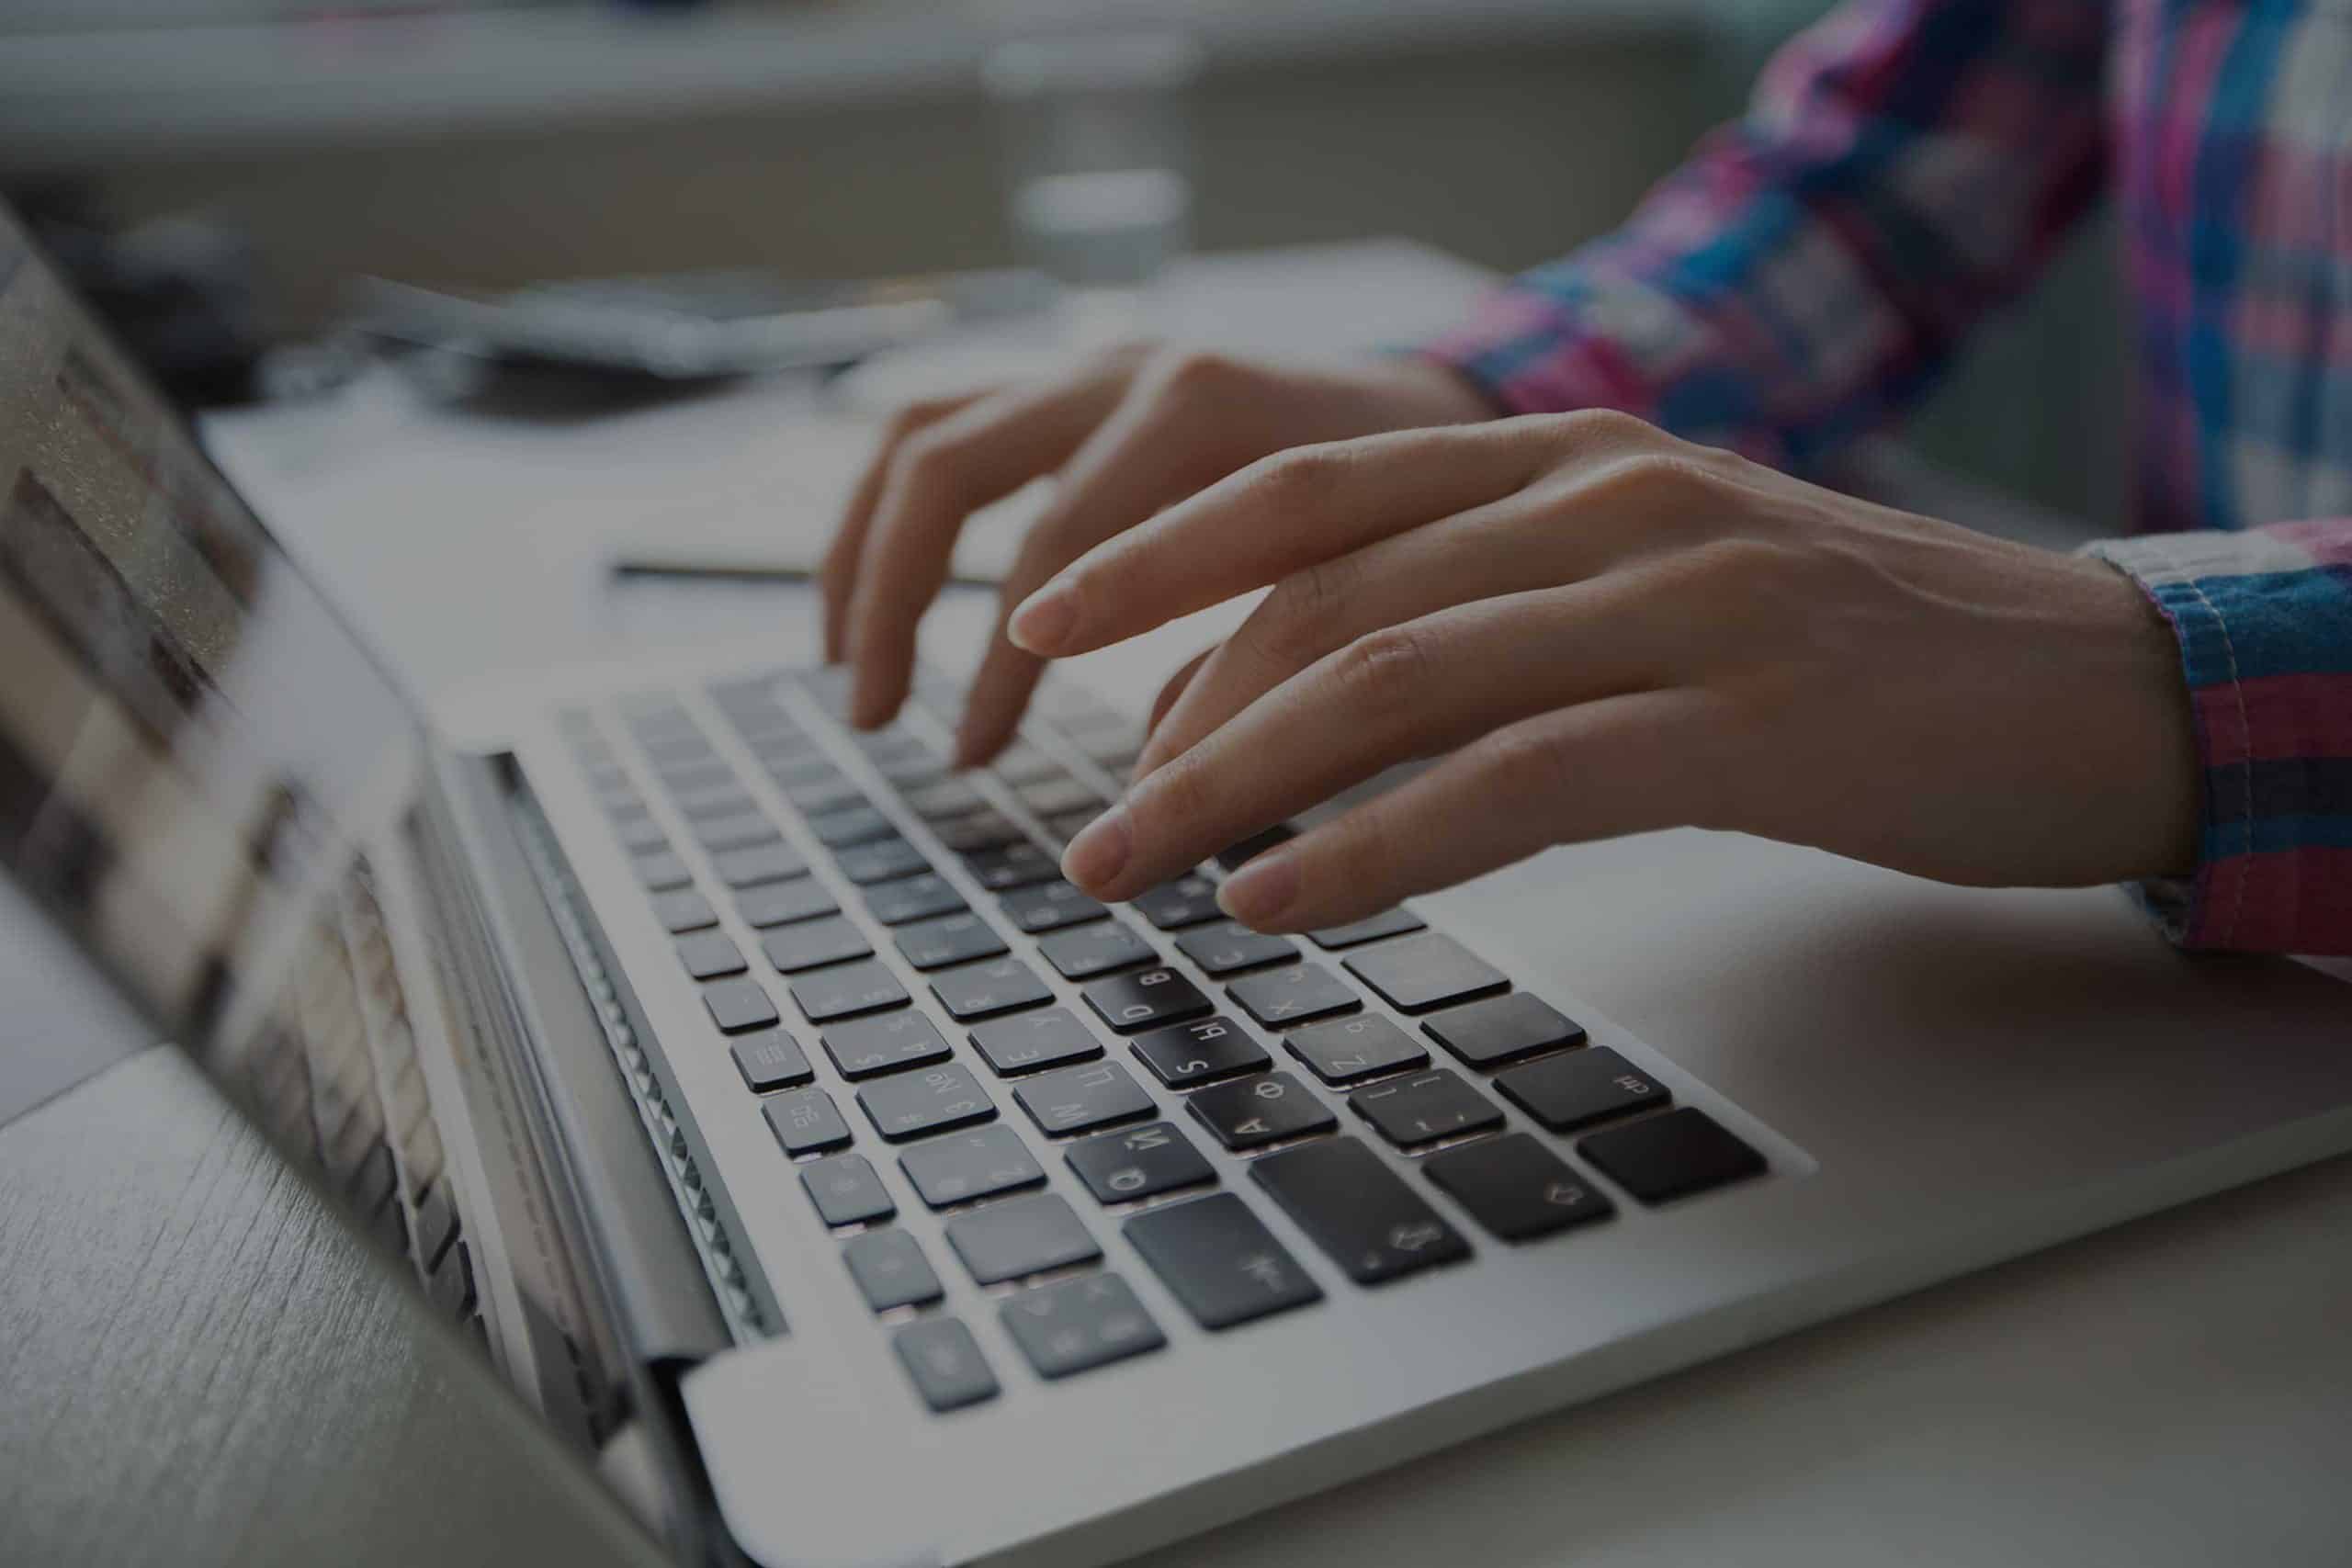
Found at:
<point>1127,433</point>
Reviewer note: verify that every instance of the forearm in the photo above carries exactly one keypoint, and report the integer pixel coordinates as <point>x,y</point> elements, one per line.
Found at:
<point>2264,621</point>
<point>1906,164</point>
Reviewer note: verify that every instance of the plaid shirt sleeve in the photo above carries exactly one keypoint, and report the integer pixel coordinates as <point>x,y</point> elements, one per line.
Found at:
<point>1906,164</point>
<point>2265,623</point>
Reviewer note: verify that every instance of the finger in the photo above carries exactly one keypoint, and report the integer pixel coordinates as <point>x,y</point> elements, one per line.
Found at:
<point>1289,512</point>
<point>1174,688</point>
<point>936,479</point>
<point>838,577</point>
<point>1402,693</point>
<point>1501,548</point>
<point>1625,764</point>
<point>1158,447</point>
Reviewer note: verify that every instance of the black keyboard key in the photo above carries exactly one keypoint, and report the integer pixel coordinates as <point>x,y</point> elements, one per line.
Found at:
<point>703,773</point>
<point>1664,1158</point>
<point>1358,1211</point>
<point>971,1166</point>
<point>1142,1162</point>
<point>1233,857</point>
<point>889,1269</point>
<point>1067,825</point>
<point>948,798</point>
<point>737,832</point>
<point>1084,951</point>
<point>684,911</point>
<point>1050,905</point>
<point>1426,1107</point>
<point>714,801</point>
<point>1516,1188</point>
<point>931,1100</point>
<point>1372,927</point>
<point>812,944</point>
<point>850,824</point>
<point>640,835</point>
<point>1582,1087</point>
<point>983,990</point>
<point>662,871</point>
<point>1503,1029</point>
<point>451,1288</point>
<point>1022,762</point>
<point>846,989</point>
<point>806,1121</point>
<point>1013,866</point>
<point>861,1047</point>
<point>914,770</point>
<point>1424,972</point>
<point>1249,1113</point>
<point>760,862</point>
<point>1031,1041</point>
<point>1220,1260</point>
<point>1187,901</point>
<point>436,1226</point>
<point>1080,1100</point>
<point>1283,998</point>
<point>769,1060</point>
<point>1074,1326</point>
<point>940,1357</point>
<point>738,1005</point>
<point>948,939</point>
<point>1202,1052</point>
<point>1048,797</point>
<point>1230,947</point>
<point>835,793</point>
<point>709,955</point>
<point>1345,1049</point>
<point>880,861</point>
<point>1146,1000</point>
<point>792,775</point>
<point>912,899</point>
<point>845,1190</point>
<point>681,752</point>
<point>781,903</point>
<point>980,831</point>
<point>1026,1236</point>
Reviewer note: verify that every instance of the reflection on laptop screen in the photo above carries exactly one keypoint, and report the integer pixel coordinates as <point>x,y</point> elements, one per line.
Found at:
<point>191,744</point>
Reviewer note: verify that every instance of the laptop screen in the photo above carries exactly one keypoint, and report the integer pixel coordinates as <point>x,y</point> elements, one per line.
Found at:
<point>191,742</point>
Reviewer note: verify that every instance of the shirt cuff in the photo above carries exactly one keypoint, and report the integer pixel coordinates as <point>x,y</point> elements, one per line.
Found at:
<point>1529,351</point>
<point>2264,622</point>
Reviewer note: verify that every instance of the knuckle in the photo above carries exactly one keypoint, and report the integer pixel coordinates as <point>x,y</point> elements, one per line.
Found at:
<point>1301,482</point>
<point>929,466</point>
<point>1298,621</point>
<point>1388,669</point>
<point>1530,761</point>
<point>1181,796</point>
<point>1609,427</point>
<point>1194,375</point>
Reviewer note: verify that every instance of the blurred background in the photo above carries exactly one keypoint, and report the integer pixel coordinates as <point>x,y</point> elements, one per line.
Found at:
<point>476,145</point>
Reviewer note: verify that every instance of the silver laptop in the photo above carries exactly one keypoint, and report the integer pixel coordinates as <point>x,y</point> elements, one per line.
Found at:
<point>752,1094</point>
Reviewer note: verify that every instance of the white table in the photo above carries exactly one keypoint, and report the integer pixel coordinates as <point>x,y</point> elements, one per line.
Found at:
<point>2178,1391</point>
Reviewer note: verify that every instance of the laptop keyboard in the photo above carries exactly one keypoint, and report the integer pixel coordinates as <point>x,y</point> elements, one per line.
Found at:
<point>1113,1041</point>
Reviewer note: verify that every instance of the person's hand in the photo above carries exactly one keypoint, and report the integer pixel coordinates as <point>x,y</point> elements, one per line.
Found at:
<point>1611,631</point>
<point>1127,433</point>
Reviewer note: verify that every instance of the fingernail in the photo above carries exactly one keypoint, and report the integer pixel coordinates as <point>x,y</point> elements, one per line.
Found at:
<point>1261,891</point>
<point>1045,620</point>
<point>1099,851</point>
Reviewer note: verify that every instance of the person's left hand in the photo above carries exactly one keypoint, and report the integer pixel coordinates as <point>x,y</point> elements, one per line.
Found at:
<point>1612,631</point>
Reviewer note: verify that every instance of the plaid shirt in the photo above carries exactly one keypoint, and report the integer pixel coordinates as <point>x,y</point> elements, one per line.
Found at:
<point>1906,166</point>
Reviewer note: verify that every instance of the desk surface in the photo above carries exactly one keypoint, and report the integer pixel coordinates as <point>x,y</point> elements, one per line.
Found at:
<point>2171,1391</point>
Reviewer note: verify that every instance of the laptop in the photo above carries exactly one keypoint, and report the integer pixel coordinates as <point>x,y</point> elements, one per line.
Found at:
<point>755,1098</point>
